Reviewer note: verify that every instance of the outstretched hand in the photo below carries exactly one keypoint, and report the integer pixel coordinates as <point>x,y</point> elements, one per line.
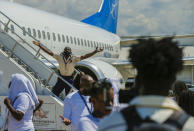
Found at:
<point>36,43</point>
<point>65,120</point>
<point>99,49</point>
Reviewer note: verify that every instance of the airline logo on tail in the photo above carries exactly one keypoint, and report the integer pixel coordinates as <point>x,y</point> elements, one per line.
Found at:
<point>114,11</point>
<point>106,17</point>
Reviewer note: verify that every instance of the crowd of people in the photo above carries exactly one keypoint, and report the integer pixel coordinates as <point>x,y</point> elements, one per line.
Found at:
<point>154,99</point>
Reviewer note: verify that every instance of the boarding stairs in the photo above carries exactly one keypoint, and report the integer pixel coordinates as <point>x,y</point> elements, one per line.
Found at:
<point>25,53</point>
<point>20,49</point>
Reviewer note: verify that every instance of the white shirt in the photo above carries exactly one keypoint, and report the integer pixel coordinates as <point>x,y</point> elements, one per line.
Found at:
<point>74,108</point>
<point>22,104</point>
<point>147,108</point>
<point>89,123</point>
<point>66,69</point>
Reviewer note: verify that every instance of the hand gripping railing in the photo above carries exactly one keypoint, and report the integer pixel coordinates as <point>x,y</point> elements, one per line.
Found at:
<point>18,34</point>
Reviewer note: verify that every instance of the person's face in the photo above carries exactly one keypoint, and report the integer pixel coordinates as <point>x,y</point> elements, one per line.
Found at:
<point>67,51</point>
<point>100,106</point>
<point>84,88</point>
<point>85,84</point>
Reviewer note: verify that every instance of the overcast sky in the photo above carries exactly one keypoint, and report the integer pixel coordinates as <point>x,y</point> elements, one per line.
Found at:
<point>136,17</point>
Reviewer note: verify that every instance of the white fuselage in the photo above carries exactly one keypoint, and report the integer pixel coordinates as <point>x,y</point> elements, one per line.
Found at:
<point>56,32</point>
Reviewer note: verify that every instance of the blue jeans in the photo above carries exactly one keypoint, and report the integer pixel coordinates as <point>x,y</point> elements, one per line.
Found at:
<point>60,85</point>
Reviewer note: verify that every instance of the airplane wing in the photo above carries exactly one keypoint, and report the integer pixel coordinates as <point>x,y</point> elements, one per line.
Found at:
<point>114,61</point>
<point>184,40</point>
<point>123,66</point>
<point>188,60</point>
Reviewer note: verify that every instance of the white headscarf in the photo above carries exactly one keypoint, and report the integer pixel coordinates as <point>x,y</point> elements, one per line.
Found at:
<point>22,85</point>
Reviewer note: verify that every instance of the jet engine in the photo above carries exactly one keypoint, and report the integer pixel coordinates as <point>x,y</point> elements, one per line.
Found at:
<point>97,69</point>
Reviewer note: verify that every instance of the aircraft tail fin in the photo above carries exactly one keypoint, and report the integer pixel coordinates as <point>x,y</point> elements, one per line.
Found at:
<point>106,17</point>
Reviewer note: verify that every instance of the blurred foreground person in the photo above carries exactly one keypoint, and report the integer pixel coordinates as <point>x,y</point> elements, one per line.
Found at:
<point>21,103</point>
<point>186,102</point>
<point>77,104</point>
<point>178,88</point>
<point>102,99</point>
<point>157,63</point>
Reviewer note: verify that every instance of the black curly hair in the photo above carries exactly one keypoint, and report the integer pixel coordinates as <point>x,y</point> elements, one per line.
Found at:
<point>178,87</point>
<point>157,63</point>
<point>99,87</point>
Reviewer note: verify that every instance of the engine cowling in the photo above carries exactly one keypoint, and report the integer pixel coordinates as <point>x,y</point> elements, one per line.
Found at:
<point>98,69</point>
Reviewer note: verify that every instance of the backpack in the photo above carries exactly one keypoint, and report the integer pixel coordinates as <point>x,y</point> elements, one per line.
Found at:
<point>136,123</point>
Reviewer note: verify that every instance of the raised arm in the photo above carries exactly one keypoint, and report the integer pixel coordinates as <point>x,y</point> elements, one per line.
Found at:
<point>91,54</point>
<point>43,48</point>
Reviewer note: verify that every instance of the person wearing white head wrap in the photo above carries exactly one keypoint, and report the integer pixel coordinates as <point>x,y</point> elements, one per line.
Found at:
<point>21,102</point>
<point>22,85</point>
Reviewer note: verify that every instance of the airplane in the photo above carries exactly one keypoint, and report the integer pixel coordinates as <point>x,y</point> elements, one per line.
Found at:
<point>55,32</point>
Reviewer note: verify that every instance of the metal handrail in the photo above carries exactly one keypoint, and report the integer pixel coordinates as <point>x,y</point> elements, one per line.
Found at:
<point>37,51</point>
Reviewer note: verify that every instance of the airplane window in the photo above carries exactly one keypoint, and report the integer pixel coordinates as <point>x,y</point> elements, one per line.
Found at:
<point>103,45</point>
<point>48,35</point>
<point>75,40</point>
<point>100,45</point>
<point>39,34</point>
<point>82,42</point>
<point>78,41</point>
<point>54,37</point>
<point>59,38</point>
<point>85,42</point>
<point>34,32</point>
<point>108,47</point>
<point>63,38</point>
<point>96,44</point>
<point>67,39</point>
<point>29,31</point>
<point>91,44</point>
<point>24,32</point>
<point>12,28</point>
<point>88,42</point>
<point>71,40</point>
<point>43,35</point>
